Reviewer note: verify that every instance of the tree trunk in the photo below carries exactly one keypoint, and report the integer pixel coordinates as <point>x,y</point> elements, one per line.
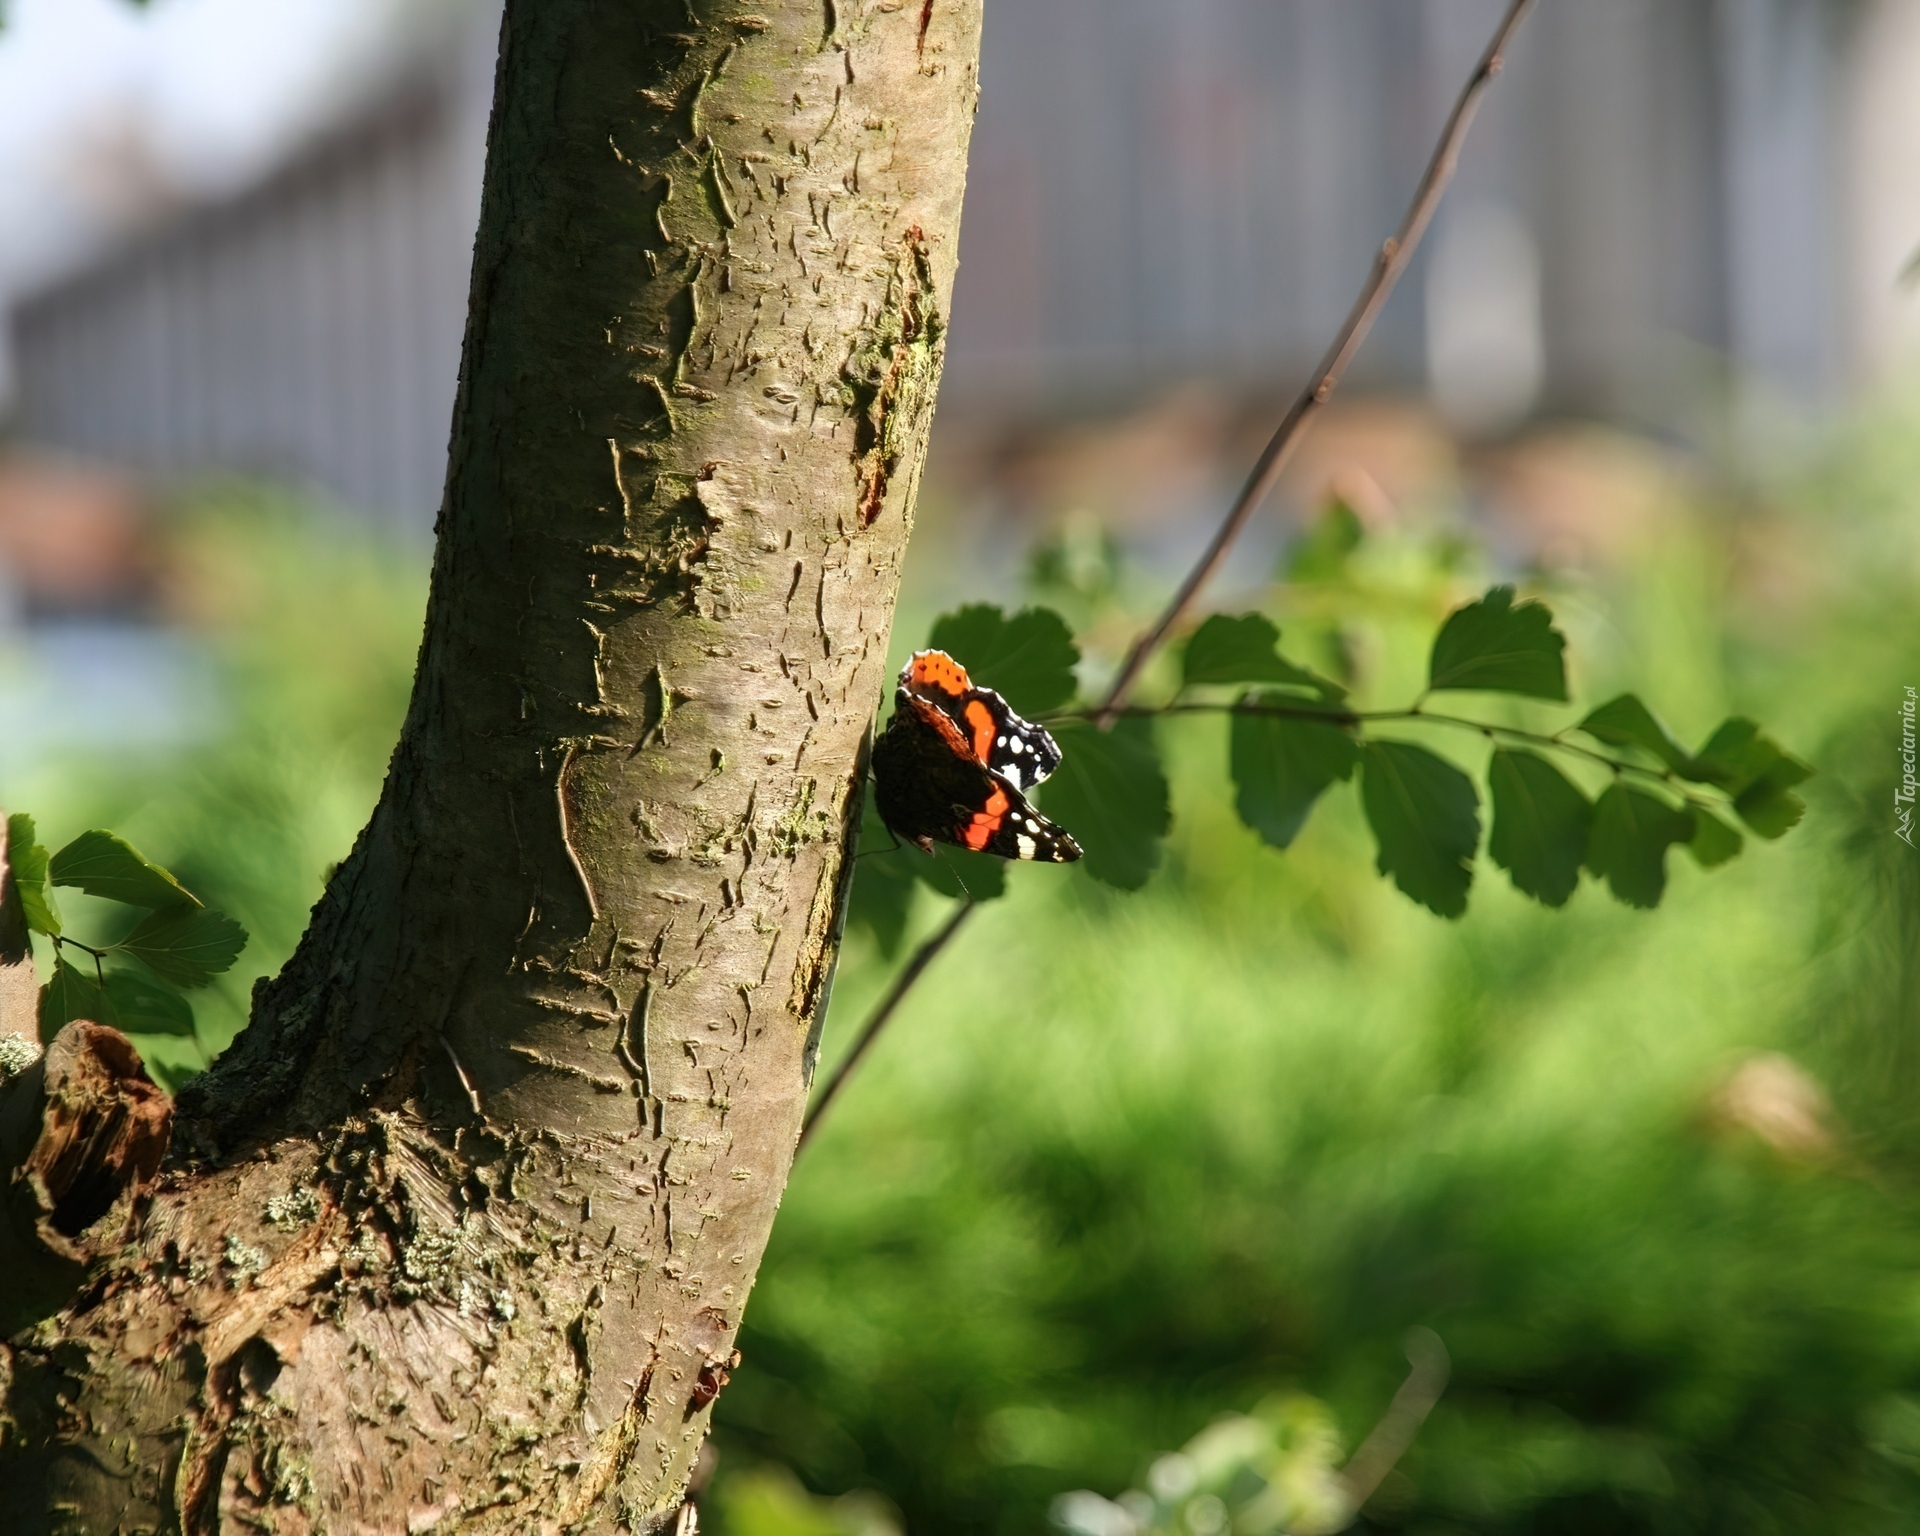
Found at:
<point>458,1234</point>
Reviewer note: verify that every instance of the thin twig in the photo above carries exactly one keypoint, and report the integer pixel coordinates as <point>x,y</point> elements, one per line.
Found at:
<point>902,984</point>
<point>1387,269</point>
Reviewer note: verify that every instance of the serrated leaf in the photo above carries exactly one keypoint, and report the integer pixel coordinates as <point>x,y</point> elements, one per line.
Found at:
<point>1281,766</point>
<point>68,995</point>
<point>187,946</point>
<point>1028,658</point>
<point>1739,753</point>
<point>1628,844</point>
<point>1111,794</point>
<point>1425,817</point>
<point>102,864</point>
<point>1741,759</point>
<point>1244,648</point>
<point>138,1006</point>
<point>1323,553</point>
<point>1540,824</point>
<point>28,862</point>
<point>1713,841</point>
<point>1626,722</point>
<point>1768,809</point>
<point>1496,646</point>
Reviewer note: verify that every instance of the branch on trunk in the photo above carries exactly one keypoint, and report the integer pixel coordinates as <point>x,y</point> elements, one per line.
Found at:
<point>82,1133</point>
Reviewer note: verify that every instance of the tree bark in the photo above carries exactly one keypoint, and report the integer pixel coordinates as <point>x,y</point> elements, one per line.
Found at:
<point>458,1234</point>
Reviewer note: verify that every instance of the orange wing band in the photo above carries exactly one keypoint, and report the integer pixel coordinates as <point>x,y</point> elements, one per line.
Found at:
<point>980,719</point>
<point>977,833</point>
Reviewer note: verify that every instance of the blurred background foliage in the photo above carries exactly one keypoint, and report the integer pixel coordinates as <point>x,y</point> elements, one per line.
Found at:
<point>1127,1164</point>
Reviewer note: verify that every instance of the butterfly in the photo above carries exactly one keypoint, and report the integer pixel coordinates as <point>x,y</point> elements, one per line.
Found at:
<point>954,765</point>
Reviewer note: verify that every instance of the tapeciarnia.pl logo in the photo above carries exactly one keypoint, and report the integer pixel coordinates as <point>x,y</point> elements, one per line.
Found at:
<point>1903,795</point>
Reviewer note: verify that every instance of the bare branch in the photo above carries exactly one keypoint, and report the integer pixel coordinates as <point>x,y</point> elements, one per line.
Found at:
<point>1387,269</point>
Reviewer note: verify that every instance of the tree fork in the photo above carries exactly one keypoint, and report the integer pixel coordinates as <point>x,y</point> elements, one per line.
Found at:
<point>459,1232</point>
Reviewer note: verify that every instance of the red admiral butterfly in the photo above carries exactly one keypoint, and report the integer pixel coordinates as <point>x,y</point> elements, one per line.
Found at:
<point>954,762</point>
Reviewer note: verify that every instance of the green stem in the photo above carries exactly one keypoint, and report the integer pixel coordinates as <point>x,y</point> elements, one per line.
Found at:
<point>1354,717</point>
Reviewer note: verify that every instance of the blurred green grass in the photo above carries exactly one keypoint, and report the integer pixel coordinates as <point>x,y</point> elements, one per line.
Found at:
<point>1126,1163</point>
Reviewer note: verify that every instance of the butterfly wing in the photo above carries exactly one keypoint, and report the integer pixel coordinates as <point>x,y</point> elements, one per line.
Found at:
<point>1007,825</point>
<point>928,787</point>
<point>985,726</point>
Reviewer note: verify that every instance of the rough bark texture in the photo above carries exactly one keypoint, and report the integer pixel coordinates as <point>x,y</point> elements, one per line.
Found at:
<point>457,1236</point>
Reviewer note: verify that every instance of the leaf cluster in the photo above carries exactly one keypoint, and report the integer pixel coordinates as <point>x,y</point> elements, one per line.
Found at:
<point>1607,795</point>
<point>177,944</point>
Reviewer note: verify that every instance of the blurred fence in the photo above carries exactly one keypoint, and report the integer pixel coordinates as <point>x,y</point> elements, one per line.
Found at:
<point>1653,205</point>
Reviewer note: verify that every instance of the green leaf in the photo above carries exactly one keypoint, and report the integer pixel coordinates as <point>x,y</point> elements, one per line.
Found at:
<point>142,1007</point>
<point>102,864</point>
<point>1540,822</point>
<point>28,862</point>
<point>1736,755</point>
<point>1757,772</point>
<point>1028,659</point>
<point>1426,820</point>
<point>883,887</point>
<point>1323,553</point>
<point>1628,844</point>
<point>1626,722</point>
<point>187,946</point>
<point>1713,841</point>
<point>1280,766</point>
<point>1244,649</point>
<point>1768,809</point>
<point>71,994</point>
<point>1110,793</point>
<point>1495,647</point>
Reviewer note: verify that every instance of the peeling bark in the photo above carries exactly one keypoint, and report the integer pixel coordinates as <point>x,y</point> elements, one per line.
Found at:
<point>458,1234</point>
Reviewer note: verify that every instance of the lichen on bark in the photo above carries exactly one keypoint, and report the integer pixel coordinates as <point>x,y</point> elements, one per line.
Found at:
<point>459,1232</point>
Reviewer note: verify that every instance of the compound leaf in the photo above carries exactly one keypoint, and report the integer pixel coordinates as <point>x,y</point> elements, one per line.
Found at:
<point>1244,648</point>
<point>28,862</point>
<point>142,1007</point>
<point>1282,765</point>
<point>1626,722</point>
<point>1496,646</point>
<point>1628,844</point>
<point>70,994</point>
<point>1110,793</point>
<point>102,864</point>
<point>187,946</point>
<point>1425,817</point>
<point>1028,658</point>
<point>1540,823</point>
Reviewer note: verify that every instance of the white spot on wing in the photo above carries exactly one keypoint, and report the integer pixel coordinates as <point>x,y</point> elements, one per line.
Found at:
<point>1026,846</point>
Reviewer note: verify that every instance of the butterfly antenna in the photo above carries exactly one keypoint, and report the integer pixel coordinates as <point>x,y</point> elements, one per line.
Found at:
<point>956,875</point>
